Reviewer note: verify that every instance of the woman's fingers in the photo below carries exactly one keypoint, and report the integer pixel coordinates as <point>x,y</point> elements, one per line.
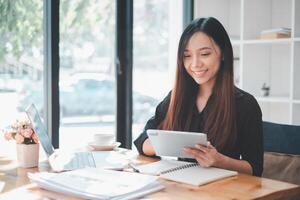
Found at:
<point>210,146</point>
<point>205,155</point>
<point>196,153</point>
<point>190,150</point>
<point>201,148</point>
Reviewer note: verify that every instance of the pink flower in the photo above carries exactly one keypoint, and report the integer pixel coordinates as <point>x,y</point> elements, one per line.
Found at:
<point>8,136</point>
<point>35,138</point>
<point>19,138</point>
<point>26,132</point>
<point>22,132</point>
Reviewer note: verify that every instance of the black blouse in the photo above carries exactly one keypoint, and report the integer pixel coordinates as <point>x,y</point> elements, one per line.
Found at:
<point>249,143</point>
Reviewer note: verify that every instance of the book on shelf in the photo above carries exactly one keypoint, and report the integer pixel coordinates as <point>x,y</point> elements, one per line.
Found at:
<point>95,183</point>
<point>276,33</point>
<point>184,172</point>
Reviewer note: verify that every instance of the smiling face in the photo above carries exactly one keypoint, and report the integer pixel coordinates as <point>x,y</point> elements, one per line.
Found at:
<point>202,57</point>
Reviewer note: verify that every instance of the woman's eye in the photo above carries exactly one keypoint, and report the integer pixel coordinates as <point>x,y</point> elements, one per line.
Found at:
<point>205,54</point>
<point>186,56</point>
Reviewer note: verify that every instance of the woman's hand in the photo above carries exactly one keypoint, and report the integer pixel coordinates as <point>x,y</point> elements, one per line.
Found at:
<point>148,148</point>
<point>206,156</point>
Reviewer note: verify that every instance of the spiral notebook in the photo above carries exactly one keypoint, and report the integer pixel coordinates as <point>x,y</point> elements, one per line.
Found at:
<point>185,172</point>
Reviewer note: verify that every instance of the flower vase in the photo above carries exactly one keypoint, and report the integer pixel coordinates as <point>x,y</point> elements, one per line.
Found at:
<point>28,155</point>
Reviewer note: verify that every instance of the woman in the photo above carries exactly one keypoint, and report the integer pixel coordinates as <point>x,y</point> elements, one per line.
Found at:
<point>204,99</point>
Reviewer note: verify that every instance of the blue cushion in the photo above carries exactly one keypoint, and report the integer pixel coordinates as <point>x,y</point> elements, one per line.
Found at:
<point>281,138</point>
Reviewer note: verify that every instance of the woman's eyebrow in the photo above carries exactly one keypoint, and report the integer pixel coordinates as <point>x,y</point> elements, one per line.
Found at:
<point>200,49</point>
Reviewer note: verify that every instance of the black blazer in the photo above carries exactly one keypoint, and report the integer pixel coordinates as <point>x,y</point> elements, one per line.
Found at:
<point>249,143</point>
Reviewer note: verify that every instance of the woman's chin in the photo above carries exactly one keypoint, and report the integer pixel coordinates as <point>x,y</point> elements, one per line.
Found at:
<point>200,81</point>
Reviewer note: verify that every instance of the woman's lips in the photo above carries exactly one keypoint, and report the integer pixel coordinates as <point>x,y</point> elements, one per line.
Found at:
<point>200,73</point>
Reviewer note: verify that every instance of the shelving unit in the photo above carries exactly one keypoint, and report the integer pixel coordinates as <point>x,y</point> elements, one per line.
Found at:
<point>258,62</point>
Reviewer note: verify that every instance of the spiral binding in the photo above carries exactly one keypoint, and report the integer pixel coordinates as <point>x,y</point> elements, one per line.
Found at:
<point>179,168</point>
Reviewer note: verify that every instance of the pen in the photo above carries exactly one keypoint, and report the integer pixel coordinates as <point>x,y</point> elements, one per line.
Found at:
<point>134,168</point>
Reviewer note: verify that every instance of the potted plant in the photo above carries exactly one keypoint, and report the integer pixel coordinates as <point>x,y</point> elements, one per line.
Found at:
<point>27,142</point>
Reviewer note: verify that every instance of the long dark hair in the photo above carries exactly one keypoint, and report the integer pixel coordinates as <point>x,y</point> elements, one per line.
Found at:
<point>220,124</point>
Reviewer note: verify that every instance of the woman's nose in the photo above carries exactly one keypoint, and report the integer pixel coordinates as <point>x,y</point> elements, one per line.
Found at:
<point>196,62</point>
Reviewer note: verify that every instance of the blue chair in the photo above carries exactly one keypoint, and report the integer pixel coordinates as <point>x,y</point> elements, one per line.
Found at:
<point>281,138</point>
<point>282,152</point>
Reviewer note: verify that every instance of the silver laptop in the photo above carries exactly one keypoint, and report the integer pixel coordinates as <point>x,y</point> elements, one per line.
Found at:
<point>171,143</point>
<point>64,161</point>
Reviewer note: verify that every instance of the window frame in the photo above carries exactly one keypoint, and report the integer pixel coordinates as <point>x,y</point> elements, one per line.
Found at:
<point>123,65</point>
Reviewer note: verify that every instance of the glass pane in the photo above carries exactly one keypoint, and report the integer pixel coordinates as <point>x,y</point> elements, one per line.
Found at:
<point>87,83</point>
<point>156,32</point>
<point>21,58</point>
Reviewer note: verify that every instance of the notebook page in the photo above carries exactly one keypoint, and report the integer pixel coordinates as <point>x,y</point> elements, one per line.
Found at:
<point>197,175</point>
<point>156,168</point>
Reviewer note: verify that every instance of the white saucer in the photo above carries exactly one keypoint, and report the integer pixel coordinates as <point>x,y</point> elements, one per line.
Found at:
<point>97,147</point>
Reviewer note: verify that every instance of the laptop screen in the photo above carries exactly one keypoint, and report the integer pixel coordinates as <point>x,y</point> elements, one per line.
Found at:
<point>39,129</point>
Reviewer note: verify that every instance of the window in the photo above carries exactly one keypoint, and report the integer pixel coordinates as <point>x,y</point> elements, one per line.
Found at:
<point>87,78</point>
<point>21,58</point>
<point>157,26</point>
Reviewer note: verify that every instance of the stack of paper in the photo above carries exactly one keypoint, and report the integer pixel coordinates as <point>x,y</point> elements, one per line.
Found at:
<point>93,183</point>
<point>276,33</point>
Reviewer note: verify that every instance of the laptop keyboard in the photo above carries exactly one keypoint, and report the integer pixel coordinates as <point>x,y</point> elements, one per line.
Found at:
<point>82,160</point>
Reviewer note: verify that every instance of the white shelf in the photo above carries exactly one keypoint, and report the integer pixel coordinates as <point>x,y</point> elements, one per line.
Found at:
<point>296,71</point>
<point>296,116</point>
<point>297,39</point>
<point>235,42</point>
<point>264,15</point>
<point>296,101</point>
<point>273,99</point>
<point>278,112</point>
<point>269,41</point>
<point>274,62</point>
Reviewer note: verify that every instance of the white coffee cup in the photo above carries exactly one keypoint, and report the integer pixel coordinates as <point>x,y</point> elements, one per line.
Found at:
<point>103,139</point>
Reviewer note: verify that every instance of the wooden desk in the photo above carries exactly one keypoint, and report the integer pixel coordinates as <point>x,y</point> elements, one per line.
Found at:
<point>239,187</point>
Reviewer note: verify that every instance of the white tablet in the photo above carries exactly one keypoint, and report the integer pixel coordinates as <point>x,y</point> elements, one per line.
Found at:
<point>171,143</point>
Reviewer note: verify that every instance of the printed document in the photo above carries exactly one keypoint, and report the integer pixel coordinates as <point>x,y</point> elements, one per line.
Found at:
<point>94,183</point>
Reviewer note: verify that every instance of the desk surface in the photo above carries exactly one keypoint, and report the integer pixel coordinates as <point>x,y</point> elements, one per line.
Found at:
<point>17,186</point>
